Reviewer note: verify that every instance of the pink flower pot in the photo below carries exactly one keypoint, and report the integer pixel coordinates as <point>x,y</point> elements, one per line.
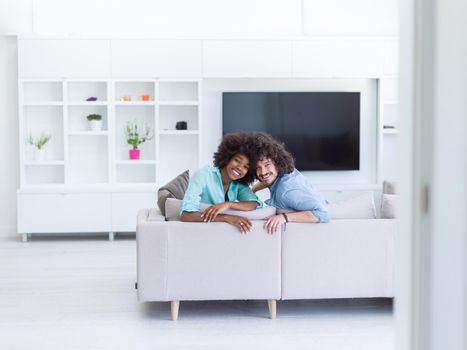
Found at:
<point>134,154</point>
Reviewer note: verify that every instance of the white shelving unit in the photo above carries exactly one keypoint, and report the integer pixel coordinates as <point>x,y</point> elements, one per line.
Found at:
<point>388,122</point>
<point>77,157</point>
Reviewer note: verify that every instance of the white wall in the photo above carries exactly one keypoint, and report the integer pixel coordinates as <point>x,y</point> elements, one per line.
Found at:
<point>9,169</point>
<point>202,17</point>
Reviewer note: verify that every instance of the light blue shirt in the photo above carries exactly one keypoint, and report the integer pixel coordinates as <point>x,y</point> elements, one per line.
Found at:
<point>206,186</point>
<point>294,192</point>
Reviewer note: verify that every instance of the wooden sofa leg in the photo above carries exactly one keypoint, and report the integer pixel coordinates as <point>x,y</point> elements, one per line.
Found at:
<point>174,305</point>
<point>272,309</point>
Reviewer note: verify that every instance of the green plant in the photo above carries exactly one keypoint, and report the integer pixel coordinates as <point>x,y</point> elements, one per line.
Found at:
<point>41,142</point>
<point>94,117</point>
<point>134,137</point>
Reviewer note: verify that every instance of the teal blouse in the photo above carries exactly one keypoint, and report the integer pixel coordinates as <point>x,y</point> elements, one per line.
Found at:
<point>205,186</point>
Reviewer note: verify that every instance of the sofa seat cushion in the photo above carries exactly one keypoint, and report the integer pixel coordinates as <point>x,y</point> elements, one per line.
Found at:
<point>361,206</point>
<point>172,211</point>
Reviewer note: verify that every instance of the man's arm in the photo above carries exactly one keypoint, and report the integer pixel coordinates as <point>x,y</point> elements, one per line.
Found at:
<point>273,223</point>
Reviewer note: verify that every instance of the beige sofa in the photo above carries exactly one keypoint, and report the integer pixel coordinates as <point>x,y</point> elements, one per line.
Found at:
<point>346,258</point>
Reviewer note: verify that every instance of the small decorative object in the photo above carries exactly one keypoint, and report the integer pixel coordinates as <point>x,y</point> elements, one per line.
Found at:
<point>95,122</point>
<point>39,145</point>
<point>181,125</point>
<point>92,98</point>
<point>135,138</point>
<point>144,97</point>
<point>125,98</point>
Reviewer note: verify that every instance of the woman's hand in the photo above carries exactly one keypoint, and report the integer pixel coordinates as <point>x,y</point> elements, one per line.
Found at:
<point>211,212</point>
<point>273,223</point>
<point>243,224</point>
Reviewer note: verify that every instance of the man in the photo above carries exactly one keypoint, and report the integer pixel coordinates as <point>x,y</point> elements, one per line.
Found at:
<point>290,190</point>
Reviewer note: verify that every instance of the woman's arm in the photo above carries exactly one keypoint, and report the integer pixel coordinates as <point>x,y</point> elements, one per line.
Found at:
<point>210,213</point>
<point>242,224</point>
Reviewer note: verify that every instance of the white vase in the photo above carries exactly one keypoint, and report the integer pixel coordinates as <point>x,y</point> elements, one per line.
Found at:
<point>39,155</point>
<point>96,125</point>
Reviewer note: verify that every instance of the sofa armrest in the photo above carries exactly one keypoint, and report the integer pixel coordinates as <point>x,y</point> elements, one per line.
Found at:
<point>152,258</point>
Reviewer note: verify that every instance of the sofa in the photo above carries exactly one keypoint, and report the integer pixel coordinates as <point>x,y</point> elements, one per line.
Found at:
<point>350,257</point>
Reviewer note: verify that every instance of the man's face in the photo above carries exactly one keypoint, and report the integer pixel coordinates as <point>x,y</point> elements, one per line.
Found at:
<point>266,171</point>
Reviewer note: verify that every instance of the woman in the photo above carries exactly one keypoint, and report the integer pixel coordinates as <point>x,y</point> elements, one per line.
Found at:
<point>224,185</point>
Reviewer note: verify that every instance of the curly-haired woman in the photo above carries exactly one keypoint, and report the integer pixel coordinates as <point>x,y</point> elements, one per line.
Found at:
<point>289,189</point>
<point>224,185</point>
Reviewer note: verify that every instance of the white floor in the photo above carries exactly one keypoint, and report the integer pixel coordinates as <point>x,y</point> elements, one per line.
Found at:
<point>78,293</point>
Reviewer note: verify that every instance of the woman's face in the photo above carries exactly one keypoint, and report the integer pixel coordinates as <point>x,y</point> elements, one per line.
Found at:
<point>237,167</point>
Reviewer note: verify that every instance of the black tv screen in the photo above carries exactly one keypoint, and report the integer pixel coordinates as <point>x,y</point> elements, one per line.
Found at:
<point>320,129</point>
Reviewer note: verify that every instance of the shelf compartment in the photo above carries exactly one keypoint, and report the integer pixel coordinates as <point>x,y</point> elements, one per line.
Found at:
<point>135,103</point>
<point>390,112</point>
<point>390,131</point>
<point>136,173</point>
<point>47,120</point>
<point>79,91</point>
<point>178,132</point>
<point>178,153</point>
<point>42,92</point>
<point>143,116</point>
<point>88,159</point>
<point>88,133</point>
<point>135,90</point>
<point>44,173</point>
<point>77,117</point>
<point>170,115</point>
<point>178,91</point>
<point>43,162</point>
<point>179,103</point>
<point>135,162</point>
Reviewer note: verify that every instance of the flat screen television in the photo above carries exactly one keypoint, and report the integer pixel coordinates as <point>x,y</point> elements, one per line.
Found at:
<point>320,129</point>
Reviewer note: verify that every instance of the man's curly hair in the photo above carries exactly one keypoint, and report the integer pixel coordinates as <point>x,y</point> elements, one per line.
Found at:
<point>268,147</point>
<point>238,143</point>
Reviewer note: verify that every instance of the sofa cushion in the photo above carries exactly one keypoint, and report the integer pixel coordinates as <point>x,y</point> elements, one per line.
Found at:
<point>388,206</point>
<point>389,187</point>
<point>358,207</point>
<point>172,211</point>
<point>176,188</point>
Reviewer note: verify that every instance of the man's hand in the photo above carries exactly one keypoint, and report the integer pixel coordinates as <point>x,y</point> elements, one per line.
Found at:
<point>243,224</point>
<point>273,223</point>
<point>211,212</point>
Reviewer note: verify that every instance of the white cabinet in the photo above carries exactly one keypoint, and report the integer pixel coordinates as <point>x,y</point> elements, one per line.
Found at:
<point>156,58</point>
<point>337,58</point>
<point>63,212</point>
<point>49,58</point>
<point>247,58</point>
<point>391,57</point>
<point>125,207</point>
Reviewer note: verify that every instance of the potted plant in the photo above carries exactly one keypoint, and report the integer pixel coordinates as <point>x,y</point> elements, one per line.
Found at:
<point>39,144</point>
<point>95,122</point>
<point>135,137</point>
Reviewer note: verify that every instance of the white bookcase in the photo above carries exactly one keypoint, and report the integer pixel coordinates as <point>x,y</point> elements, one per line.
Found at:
<point>388,131</point>
<point>78,158</point>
